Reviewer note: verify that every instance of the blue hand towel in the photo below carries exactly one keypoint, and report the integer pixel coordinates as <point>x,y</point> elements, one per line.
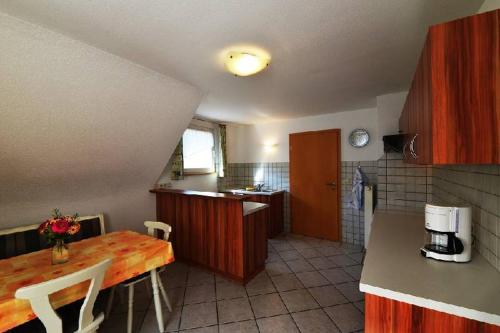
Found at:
<point>358,182</point>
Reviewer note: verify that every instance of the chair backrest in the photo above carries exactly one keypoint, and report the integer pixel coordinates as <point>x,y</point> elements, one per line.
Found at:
<point>154,227</point>
<point>38,295</point>
<point>91,226</point>
<point>21,240</point>
<point>26,239</point>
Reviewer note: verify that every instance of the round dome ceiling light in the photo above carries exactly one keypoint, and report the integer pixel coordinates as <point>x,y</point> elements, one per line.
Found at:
<point>245,63</point>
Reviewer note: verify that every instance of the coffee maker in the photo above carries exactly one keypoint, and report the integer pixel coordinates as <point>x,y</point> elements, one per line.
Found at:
<point>448,233</point>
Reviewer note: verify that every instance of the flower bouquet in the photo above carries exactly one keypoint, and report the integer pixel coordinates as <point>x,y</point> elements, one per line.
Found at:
<point>57,230</point>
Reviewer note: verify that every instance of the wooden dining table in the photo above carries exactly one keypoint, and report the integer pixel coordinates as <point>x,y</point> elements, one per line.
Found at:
<point>132,254</point>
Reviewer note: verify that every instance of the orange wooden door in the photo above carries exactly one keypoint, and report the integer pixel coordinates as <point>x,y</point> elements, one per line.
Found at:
<point>315,183</point>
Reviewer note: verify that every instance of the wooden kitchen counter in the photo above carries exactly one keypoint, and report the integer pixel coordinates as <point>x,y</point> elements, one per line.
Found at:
<point>219,231</point>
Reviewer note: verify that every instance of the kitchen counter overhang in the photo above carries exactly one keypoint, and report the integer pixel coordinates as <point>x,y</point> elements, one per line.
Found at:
<point>394,269</point>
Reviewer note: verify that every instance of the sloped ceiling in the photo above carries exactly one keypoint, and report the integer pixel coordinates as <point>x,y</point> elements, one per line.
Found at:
<point>81,129</point>
<point>328,55</point>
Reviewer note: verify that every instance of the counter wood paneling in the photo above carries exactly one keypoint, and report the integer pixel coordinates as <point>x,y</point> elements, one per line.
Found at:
<point>210,229</point>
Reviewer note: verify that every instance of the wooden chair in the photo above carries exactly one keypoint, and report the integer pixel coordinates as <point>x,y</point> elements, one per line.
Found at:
<point>26,239</point>
<point>153,228</point>
<point>38,295</point>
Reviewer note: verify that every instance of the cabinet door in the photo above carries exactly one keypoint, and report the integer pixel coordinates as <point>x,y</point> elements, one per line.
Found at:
<point>419,112</point>
<point>465,83</point>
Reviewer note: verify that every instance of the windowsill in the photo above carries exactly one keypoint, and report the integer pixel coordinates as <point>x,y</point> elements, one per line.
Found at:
<point>198,173</point>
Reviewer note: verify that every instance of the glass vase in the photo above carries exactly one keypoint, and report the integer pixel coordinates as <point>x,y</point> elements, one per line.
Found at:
<point>60,252</point>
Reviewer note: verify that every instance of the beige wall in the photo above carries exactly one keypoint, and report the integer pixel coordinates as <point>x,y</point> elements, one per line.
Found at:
<point>489,5</point>
<point>81,129</point>
<point>247,143</point>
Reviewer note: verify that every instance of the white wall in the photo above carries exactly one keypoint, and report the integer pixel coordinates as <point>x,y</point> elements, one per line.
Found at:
<point>246,143</point>
<point>268,142</point>
<point>489,5</point>
<point>81,129</point>
<point>389,109</point>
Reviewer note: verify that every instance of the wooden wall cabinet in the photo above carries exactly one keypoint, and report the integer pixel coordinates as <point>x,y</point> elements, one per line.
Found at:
<point>451,114</point>
<point>275,212</point>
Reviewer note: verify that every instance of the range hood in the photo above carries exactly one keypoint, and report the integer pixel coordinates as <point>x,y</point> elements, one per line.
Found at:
<point>394,143</point>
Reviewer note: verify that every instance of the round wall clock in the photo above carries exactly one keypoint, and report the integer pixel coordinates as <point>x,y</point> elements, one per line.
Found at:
<point>359,138</point>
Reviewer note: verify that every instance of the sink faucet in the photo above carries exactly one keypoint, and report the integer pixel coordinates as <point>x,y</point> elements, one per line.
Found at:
<point>259,187</point>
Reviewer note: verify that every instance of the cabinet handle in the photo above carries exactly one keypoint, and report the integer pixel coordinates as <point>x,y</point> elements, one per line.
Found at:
<point>412,147</point>
<point>332,184</point>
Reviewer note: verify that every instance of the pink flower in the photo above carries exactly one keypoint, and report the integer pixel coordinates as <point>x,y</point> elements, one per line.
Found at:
<point>60,226</point>
<point>43,227</point>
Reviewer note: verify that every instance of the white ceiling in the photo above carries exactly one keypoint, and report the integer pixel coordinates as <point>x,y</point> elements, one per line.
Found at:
<point>327,56</point>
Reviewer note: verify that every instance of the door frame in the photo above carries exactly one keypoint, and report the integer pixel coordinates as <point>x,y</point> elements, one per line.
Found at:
<point>339,173</point>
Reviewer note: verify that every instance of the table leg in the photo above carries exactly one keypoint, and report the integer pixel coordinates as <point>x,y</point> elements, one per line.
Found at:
<point>156,297</point>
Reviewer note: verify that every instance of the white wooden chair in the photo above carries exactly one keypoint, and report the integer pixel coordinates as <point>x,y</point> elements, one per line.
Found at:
<point>153,228</point>
<point>38,295</point>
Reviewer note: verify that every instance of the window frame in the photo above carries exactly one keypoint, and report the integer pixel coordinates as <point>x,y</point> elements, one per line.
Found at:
<point>201,171</point>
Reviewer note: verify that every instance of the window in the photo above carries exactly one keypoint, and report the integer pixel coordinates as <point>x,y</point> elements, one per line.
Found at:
<point>198,151</point>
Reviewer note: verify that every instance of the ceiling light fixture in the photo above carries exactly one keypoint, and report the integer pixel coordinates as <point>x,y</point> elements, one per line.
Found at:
<point>245,64</point>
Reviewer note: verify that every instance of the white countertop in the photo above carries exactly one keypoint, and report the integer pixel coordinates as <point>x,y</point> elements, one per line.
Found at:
<point>239,191</point>
<point>252,207</point>
<point>393,268</point>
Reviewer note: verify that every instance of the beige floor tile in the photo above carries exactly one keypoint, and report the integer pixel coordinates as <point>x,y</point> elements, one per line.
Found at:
<point>312,279</point>
<point>209,329</point>
<point>200,294</point>
<point>267,305</point>
<point>233,310</point>
<point>300,265</point>
<point>336,275</point>
<point>261,284</point>
<point>328,295</point>
<point>342,260</point>
<point>298,300</point>
<point>290,255</point>
<point>329,250</point>
<point>170,320</point>
<point>309,253</point>
<point>283,323</point>
<point>199,315</point>
<point>197,276</point>
<point>286,282</point>
<point>351,291</point>
<point>248,326</point>
<point>277,268</point>
<point>314,321</point>
<point>347,317</point>
<point>354,271</point>
<point>321,263</point>
<point>228,290</point>
<point>176,296</point>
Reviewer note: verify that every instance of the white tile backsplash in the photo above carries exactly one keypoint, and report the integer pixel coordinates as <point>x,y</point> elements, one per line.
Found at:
<point>479,187</point>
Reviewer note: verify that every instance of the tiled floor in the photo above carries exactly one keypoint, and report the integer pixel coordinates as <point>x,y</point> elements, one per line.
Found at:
<point>309,285</point>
